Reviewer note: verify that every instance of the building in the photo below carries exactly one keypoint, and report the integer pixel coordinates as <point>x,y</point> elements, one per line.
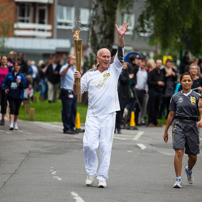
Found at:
<point>39,28</point>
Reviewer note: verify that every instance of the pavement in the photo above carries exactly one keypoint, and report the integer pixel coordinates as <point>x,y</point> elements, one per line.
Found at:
<point>38,163</point>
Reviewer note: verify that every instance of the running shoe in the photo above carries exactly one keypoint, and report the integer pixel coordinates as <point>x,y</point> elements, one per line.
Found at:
<point>190,177</point>
<point>102,184</point>
<point>90,180</point>
<point>178,184</point>
<point>16,126</point>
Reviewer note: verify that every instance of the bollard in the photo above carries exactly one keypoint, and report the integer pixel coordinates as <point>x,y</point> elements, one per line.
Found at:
<point>35,99</point>
<point>32,112</point>
<point>41,98</point>
<point>26,108</point>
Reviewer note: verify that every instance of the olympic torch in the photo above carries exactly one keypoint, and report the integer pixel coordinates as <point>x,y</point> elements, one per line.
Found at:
<point>78,55</point>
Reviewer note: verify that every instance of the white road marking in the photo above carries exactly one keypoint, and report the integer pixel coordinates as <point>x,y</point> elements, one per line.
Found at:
<point>143,147</point>
<point>119,138</point>
<point>77,197</point>
<point>129,151</point>
<point>201,139</point>
<point>54,172</point>
<point>139,134</point>
<point>57,177</point>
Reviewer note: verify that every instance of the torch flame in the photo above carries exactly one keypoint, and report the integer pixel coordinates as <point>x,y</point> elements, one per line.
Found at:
<point>76,35</point>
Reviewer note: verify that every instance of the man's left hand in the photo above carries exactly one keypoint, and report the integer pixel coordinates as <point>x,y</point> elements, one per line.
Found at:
<point>122,30</point>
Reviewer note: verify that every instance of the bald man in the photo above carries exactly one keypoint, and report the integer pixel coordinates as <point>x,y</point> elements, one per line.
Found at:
<point>68,98</point>
<point>101,85</point>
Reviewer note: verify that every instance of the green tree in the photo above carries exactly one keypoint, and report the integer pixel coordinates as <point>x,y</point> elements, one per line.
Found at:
<point>173,24</point>
<point>102,25</point>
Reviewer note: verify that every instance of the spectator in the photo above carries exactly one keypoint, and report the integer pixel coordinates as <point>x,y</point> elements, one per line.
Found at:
<point>123,94</point>
<point>3,98</point>
<point>43,81</point>
<point>53,76</point>
<point>133,68</point>
<point>200,64</point>
<point>69,100</point>
<point>178,84</point>
<point>184,61</point>
<point>29,92</point>
<point>170,79</point>
<point>140,88</point>
<point>151,64</point>
<point>23,64</point>
<point>34,74</point>
<point>192,60</point>
<point>14,83</point>
<point>11,59</point>
<point>156,82</point>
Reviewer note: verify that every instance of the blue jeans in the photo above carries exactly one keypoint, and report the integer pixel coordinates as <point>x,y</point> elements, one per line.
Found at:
<point>44,89</point>
<point>69,104</point>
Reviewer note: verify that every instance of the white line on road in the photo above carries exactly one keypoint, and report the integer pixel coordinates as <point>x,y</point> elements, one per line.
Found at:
<point>57,177</point>
<point>141,146</point>
<point>77,197</point>
<point>119,138</point>
<point>139,134</point>
<point>201,139</point>
<point>54,172</point>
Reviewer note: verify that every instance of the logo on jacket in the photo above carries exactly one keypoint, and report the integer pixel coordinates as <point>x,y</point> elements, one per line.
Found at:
<point>106,75</point>
<point>193,100</point>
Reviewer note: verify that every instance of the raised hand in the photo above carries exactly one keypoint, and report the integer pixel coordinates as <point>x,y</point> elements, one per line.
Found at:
<point>122,30</point>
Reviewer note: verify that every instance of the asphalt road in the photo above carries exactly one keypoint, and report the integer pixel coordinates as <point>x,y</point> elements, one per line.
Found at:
<point>38,163</point>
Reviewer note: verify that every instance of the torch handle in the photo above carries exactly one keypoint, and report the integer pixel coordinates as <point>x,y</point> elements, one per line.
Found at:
<point>78,90</point>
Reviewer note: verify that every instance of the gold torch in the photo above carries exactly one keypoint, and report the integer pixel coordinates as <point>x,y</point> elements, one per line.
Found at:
<point>78,55</point>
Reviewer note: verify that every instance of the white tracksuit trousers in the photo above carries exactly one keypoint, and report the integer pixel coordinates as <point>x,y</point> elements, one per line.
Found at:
<point>99,132</point>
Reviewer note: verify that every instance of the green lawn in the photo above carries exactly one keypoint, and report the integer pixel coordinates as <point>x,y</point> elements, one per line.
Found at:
<point>50,112</point>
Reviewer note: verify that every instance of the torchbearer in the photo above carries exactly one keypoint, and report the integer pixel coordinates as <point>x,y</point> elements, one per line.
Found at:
<point>101,85</point>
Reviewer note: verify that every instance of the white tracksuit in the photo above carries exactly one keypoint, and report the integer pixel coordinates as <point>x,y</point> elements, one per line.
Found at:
<point>100,121</point>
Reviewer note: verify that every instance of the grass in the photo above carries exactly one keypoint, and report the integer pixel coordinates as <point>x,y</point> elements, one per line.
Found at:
<point>50,112</point>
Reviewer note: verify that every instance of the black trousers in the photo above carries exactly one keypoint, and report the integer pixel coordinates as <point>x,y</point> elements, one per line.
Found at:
<point>153,107</point>
<point>69,104</point>
<point>119,116</point>
<point>14,105</point>
<point>3,101</point>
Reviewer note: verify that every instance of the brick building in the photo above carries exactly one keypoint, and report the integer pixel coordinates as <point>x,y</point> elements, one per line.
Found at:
<point>39,28</point>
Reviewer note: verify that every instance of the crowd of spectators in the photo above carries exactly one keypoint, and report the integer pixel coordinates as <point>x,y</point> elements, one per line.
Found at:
<point>145,86</point>
<point>20,78</point>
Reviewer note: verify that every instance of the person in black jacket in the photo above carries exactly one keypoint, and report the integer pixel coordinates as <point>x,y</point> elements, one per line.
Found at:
<point>169,88</point>
<point>133,68</point>
<point>53,76</point>
<point>123,93</point>
<point>156,82</point>
<point>184,61</point>
<point>14,85</point>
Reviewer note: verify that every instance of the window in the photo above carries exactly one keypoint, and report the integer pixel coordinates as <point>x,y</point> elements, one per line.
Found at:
<point>84,17</point>
<point>65,18</point>
<point>24,13</point>
<point>129,18</point>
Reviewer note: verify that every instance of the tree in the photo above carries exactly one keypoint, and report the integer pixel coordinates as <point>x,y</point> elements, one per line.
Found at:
<point>174,24</point>
<point>102,25</point>
<point>101,29</point>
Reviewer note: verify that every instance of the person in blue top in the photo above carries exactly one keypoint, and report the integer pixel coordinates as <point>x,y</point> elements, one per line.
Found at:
<point>14,85</point>
<point>69,99</point>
